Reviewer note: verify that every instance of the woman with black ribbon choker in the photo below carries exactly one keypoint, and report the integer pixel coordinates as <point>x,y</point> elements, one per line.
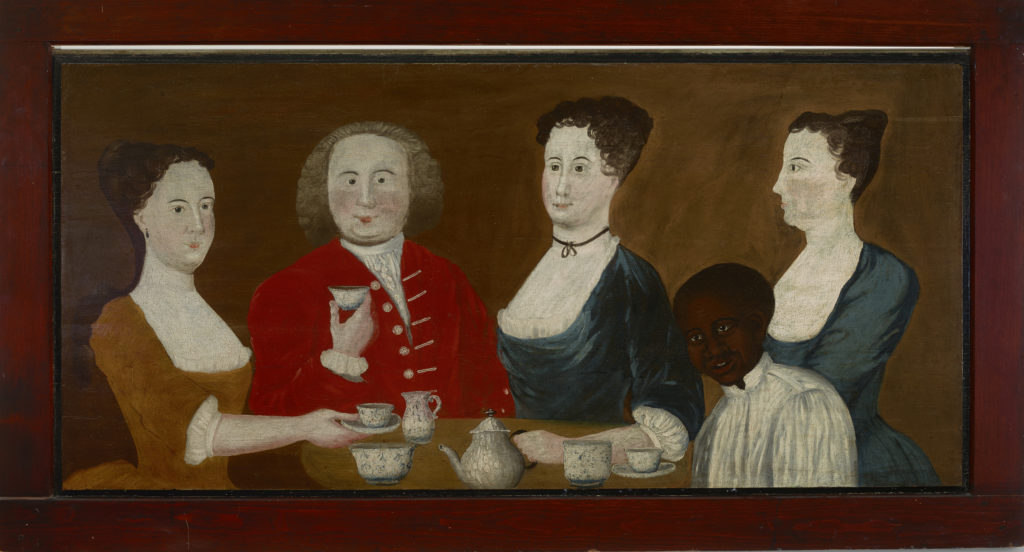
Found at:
<point>590,336</point>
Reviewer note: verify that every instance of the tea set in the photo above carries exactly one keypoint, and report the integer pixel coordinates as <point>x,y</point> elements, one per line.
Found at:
<point>491,461</point>
<point>388,463</point>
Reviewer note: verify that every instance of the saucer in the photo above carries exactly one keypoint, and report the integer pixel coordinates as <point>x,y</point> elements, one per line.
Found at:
<point>625,471</point>
<point>357,425</point>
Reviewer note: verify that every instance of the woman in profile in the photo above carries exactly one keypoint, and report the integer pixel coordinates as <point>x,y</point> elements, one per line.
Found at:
<point>843,305</point>
<point>180,375</point>
<point>590,335</point>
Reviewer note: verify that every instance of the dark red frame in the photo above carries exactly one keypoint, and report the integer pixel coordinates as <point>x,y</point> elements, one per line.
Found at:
<point>989,515</point>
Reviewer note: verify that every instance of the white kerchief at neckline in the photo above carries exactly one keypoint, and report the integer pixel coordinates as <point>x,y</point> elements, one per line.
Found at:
<point>392,245</point>
<point>750,381</point>
<point>195,337</point>
<point>553,295</point>
<point>807,292</point>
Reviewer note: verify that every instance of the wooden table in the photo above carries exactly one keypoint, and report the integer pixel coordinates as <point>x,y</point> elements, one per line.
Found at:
<point>308,467</point>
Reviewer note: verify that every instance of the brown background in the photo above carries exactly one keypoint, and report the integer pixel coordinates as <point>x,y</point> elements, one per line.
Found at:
<point>701,193</point>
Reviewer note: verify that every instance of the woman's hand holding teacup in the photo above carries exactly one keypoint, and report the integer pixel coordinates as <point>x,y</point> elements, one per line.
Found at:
<point>323,428</point>
<point>352,336</point>
<point>540,446</point>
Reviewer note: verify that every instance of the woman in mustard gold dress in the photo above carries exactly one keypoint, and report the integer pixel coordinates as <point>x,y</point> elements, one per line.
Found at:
<point>179,373</point>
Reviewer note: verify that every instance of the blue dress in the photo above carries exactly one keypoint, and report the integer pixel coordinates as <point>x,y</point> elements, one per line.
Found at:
<point>851,351</point>
<point>623,350</point>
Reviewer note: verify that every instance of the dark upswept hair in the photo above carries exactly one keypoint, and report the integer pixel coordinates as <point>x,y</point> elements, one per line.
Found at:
<point>854,139</point>
<point>619,128</point>
<point>738,283</point>
<point>426,187</point>
<point>128,173</point>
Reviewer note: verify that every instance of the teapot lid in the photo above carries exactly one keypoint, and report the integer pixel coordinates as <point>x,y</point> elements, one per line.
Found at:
<point>490,423</point>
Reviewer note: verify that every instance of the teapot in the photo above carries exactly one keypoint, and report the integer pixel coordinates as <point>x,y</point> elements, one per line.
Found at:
<point>491,461</point>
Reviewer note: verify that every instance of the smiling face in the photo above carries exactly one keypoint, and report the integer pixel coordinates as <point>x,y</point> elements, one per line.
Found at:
<point>723,340</point>
<point>179,217</point>
<point>577,193</point>
<point>368,188</point>
<point>811,190</point>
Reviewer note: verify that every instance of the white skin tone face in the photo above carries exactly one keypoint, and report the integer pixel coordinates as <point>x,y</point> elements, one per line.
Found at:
<point>577,194</point>
<point>179,217</point>
<point>368,188</point>
<point>813,193</point>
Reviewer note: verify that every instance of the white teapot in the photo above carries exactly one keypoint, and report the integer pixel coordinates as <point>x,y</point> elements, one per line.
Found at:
<point>491,461</point>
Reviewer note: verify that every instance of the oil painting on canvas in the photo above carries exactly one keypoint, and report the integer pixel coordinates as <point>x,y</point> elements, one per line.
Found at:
<point>354,272</point>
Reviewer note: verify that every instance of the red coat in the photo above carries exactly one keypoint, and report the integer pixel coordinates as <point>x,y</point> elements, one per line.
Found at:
<point>449,346</point>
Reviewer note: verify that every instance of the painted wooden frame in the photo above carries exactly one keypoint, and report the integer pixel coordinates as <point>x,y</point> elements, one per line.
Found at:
<point>987,515</point>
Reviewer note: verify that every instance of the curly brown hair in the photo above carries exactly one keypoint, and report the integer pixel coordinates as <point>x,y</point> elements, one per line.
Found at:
<point>619,128</point>
<point>854,139</point>
<point>426,187</point>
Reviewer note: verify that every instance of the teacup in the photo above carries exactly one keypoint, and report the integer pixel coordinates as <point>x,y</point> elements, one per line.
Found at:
<point>587,463</point>
<point>349,297</point>
<point>644,460</point>
<point>375,414</point>
<point>383,463</point>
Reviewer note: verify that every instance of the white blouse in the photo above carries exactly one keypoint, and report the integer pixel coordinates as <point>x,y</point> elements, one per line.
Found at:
<point>196,339</point>
<point>551,299</point>
<point>553,295</point>
<point>787,428</point>
<point>806,294</point>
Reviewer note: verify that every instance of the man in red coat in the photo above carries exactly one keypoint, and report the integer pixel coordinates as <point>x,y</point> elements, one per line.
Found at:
<point>421,326</point>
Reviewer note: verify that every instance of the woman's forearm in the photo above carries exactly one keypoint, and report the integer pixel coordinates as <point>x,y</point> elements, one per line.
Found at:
<point>623,438</point>
<point>241,434</point>
<point>546,447</point>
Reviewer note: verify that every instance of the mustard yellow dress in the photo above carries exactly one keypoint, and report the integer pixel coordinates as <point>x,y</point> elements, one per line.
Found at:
<point>158,401</point>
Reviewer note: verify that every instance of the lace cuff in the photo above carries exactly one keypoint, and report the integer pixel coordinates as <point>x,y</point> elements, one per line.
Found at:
<point>200,432</point>
<point>667,431</point>
<point>342,364</point>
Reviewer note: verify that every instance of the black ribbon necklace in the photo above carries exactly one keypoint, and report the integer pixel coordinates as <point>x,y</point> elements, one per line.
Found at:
<point>569,247</point>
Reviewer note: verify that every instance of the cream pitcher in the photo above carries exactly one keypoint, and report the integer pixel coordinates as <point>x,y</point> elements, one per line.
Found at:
<point>418,419</point>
